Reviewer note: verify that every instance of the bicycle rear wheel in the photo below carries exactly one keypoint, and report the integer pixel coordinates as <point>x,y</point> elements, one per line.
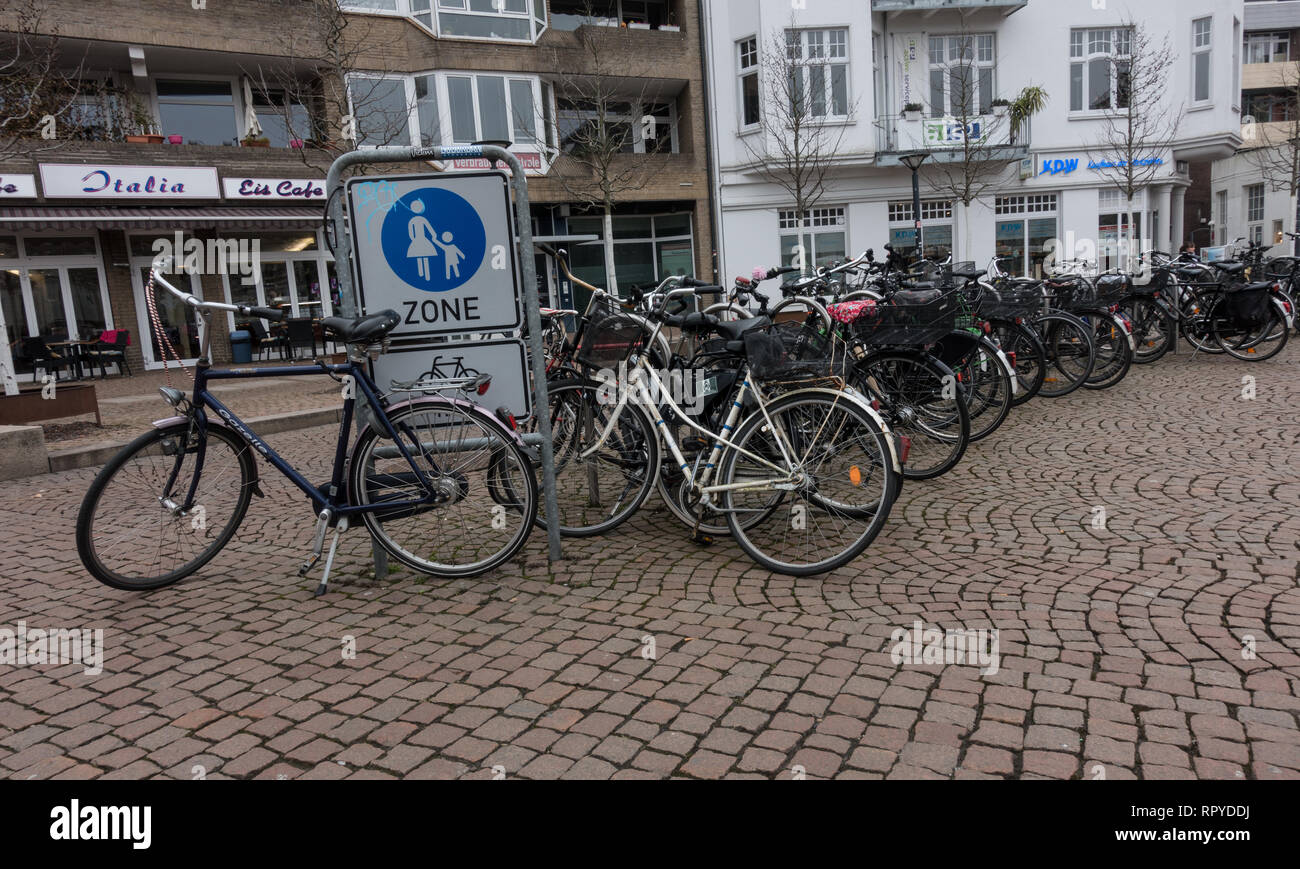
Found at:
<point>1070,354</point>
<point>1153,331</point>
<point>598,493</point>
<point>921,399</point>
<point>1030,357</point>
<point>1249,343</point>
<point>1114,355</point>
<point>846,483</point>
<point>481,500</point>
<point>131,533</point>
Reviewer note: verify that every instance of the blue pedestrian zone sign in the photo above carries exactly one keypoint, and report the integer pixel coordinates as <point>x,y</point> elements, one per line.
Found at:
<point>438,249</point>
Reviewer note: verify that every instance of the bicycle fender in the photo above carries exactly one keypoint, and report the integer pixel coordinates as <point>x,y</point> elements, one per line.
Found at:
<point>458,402</point>
<point>1011,372</point>
<point>860,400</point>
<point>1289,316</point>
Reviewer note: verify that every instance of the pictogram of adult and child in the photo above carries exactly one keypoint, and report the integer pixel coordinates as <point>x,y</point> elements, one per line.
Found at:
<point>426,244</point>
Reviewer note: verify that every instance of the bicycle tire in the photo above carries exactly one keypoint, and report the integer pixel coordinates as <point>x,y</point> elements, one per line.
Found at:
<point>91,555</point>
<point>1064,336</point>
<point>462,472</point>
<point>908,384</point>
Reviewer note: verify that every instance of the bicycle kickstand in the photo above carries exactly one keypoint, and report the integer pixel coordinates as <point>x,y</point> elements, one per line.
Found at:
<point>329,559</point>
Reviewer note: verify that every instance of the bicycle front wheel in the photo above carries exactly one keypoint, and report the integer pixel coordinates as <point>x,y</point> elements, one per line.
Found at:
<point>844,483</point>
<point>921,399</point>
<point>1070,353</point>
<point>131,531</point>
<point>475,487</point>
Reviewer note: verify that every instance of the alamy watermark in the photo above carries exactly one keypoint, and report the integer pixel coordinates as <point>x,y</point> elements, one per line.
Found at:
<point>970,646</point>
<point>213,256</point>
<point>687,389</point>
<point>25,647</point>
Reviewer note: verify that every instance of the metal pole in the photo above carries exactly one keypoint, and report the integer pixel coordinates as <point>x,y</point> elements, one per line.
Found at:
<point>347,292</point>
<point>916,211</point>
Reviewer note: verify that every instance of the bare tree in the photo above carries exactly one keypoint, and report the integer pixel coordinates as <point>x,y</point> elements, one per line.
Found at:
<point>324,88</point>
<point>1139,122</point>
<point>797,148</point>
<point>36,93</point>
<point>1274,150</point>
<point>970,128</point>
<point>611,141</point>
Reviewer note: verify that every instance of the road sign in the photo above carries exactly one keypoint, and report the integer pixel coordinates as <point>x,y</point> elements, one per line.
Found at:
<point>439,250</point>
<point>504,359</point>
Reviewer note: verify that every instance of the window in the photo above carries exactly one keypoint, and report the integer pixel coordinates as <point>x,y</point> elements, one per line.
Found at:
<point>507,20</point>
<point>961,75</point>
<point>201,111</point>
<point>1268,47</point>
<point>820,86</point>
<point>572,14</point>
<point>1025,231</point>
<point>625,126</point>
<point>52,287</point>
<point>647,248</point>
<point>1201,39</point>
<point>1099,68</point>
<point>380,109</point>
<point>936,227</point>
<point>1277,232</point>
<point>1255,213</point>
<point>747,49</point>
<point>820,240</point>
<point>281,117</point>
<point>1265,107</point>
<point>1221,215</point>
<point>447,108</point>
<point>1113,227</point>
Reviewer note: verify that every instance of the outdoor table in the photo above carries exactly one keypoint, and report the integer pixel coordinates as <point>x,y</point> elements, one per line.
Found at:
<point>75,351</point>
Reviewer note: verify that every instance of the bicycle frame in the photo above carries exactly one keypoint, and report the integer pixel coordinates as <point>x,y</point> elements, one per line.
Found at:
<point>331,497</point>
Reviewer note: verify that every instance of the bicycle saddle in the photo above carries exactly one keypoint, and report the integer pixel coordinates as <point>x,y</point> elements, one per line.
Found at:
<point>730,329</point>
<point>362,330</point>
<point>915,297</point>
<point>969,274</point>
<point>1230,268</point>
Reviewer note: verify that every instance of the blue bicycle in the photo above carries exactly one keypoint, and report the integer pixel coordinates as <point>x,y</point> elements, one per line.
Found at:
<point>443,484</point>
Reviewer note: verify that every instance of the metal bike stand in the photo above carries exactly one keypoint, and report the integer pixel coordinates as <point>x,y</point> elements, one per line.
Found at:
<point>523,219</point>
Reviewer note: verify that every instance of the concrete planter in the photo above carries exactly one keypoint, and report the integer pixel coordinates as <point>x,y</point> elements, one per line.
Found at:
<point>72,399</point>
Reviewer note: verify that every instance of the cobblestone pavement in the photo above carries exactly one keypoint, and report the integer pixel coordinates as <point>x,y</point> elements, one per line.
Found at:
<point>128,404</point>
<point>1162,645</point>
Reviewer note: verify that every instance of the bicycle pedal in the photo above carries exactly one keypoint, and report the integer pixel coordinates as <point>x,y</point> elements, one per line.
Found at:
<point>308,565</point>
<point>701,539</point>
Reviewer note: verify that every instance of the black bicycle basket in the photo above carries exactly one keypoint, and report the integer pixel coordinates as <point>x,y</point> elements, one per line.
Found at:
<point>793,351</point>
<point>609,334</point>
<point>910,325</point>
<point>1011,304</point>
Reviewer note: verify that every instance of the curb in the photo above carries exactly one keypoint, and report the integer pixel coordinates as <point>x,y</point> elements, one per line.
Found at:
<point>96,456</point>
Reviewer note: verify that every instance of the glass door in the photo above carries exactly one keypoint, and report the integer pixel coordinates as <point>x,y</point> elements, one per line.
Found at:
<point>182,326</point>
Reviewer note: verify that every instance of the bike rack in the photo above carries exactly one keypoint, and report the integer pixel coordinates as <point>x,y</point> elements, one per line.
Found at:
<point>523,219</point>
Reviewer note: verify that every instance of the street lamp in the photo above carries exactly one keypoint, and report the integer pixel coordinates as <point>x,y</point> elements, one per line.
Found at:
<point>913,161</point>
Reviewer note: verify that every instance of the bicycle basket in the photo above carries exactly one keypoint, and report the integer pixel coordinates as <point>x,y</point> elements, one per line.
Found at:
<point>793,351</point>
<point>1071,293</point>
<point>1014,303</point>
<point>1247,304</point>
<point>910,325</point>
<point>1113,288</point>
<point>609,334</point>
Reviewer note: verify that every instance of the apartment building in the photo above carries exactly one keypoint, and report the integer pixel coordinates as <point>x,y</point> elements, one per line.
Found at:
<point>219,120</point>
<point>901,77</point>
<point>1251,189</point>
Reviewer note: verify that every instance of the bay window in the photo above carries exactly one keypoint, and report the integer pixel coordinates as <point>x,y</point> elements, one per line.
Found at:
<point>504,20</point>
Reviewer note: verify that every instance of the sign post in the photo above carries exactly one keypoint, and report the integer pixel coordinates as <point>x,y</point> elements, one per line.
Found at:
<point>479,216</point>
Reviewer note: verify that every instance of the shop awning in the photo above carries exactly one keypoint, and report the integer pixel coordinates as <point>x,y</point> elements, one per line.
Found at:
<point>106,217</point>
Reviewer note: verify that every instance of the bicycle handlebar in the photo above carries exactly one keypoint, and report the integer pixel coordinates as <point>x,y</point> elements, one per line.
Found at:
<point>198,304</point>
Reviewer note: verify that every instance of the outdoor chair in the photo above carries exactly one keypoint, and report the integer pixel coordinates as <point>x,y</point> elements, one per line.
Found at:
<point>41,357</point>
<point>111,351</point>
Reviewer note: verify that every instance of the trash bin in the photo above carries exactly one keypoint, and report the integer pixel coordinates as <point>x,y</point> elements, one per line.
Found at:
<point>241,345</point>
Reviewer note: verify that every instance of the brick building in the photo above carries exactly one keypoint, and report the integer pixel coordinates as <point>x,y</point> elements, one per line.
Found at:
<point>220,122</point>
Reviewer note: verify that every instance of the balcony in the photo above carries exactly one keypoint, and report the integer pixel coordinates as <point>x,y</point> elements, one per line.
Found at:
<point>1261,76</point>
<point>930,6</point>
<point>945,138</point>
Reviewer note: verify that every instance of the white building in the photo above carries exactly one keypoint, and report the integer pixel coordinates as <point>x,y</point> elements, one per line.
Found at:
<point>865,64</point>
<point>1246,203</point>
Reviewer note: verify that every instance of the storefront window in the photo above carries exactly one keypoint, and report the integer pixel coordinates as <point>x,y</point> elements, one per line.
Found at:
<point>1021,234</point>
<point>51,286</point>
<point>936,228</point>
<point>823,238</point>
<point>178,321</point>
<point>647,248</point>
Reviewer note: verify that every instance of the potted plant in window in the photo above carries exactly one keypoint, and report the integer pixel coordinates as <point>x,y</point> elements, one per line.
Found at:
<point>1001,107</point>
<point>912,112</point>
<point>251,141</point>
<point>176,140</point>
<point>140,119</point>
<point>638,25</point>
